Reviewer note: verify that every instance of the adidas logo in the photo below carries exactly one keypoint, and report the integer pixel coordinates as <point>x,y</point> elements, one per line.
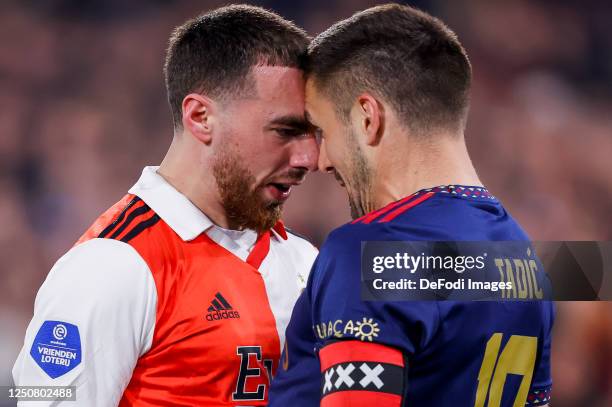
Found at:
<point>220,309</point>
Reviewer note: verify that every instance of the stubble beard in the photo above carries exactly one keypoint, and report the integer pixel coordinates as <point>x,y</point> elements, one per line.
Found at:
<point>360,200</point>
<point>244,206</point>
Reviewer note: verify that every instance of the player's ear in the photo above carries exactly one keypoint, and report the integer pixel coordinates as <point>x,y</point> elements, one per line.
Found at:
<point>370,114</point>
<point>197,116</point>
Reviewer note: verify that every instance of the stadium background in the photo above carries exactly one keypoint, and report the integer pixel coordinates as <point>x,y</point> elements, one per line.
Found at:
<point>83,109</point>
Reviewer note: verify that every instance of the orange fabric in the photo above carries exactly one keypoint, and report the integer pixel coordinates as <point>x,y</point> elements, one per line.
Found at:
<point>105,219</point>
<point>195,359</point>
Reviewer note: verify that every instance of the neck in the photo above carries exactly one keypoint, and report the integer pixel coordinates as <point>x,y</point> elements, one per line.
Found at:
<point>423,164</point>
<point>182,168</point>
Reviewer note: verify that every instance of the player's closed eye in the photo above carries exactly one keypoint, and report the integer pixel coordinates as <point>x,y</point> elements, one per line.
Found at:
<point>290,132</point>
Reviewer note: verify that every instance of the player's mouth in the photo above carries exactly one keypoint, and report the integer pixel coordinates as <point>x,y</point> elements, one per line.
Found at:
<point>279,191</point>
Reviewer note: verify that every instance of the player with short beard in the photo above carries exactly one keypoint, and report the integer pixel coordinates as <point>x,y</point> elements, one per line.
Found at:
<point>244,205</point>
<point>388,90</point>
<point>180,293</point>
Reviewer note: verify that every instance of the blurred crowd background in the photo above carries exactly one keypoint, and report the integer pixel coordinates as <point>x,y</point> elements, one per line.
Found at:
<point>83,109</point>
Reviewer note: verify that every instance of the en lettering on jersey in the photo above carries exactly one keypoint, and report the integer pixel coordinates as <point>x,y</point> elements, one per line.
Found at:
<point>157,306</point>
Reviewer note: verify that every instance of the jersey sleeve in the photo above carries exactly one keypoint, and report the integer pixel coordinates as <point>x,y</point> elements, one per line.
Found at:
<point>541,385</point>
<point>93,318</point>
<point>364,346</point>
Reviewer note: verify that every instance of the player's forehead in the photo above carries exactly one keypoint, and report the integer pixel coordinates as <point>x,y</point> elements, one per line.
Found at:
<point>279,83</point>
<point>279,92</point>
<point>318,107</point>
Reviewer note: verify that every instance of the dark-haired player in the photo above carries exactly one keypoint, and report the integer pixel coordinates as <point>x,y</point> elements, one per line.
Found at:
<point>179,294</point>
<point>388,90</point>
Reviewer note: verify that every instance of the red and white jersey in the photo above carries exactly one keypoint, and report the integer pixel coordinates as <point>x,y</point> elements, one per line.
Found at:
<point>155,306</point>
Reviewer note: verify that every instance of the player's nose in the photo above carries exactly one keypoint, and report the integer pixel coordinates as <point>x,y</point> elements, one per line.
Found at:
<point>324,164</point>
<point>305,153</point>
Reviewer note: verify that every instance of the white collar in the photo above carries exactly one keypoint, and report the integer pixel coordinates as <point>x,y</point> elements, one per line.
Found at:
<point>186,219</point>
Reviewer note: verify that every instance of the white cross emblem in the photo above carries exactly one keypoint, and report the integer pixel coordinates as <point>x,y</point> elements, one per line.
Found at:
<point>371,375</point>
<point>328,382</point>
<point>344,375</point>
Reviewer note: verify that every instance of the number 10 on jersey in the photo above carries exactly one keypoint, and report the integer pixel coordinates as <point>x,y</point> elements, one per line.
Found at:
<point>518,357</point>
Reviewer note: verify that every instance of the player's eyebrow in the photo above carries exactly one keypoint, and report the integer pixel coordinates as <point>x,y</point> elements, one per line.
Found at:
<point>294,121</point>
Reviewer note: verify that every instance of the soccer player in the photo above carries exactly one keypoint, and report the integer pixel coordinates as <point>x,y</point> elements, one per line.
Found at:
<point>388,90</point>
<point>181,292</point>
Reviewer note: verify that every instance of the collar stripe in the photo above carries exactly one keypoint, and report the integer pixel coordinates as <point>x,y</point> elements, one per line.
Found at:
<point>373,215</point>
<point>260,250</point>
<point>392,215</point>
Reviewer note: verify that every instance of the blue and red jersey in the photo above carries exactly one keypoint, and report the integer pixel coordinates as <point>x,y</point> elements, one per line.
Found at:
<point>343,351</point>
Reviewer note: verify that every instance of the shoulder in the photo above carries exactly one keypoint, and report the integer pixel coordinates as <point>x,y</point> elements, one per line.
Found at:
<point>103,270</point>
<point>445,213</point>
<point>299,245</point>
<point>300,241</point>
<point>102,226</point>
<point>100,253</point>
<point>301,252</point>
<point>400,220</point>
<point>347,238</point>
<point>129,220</point>
<point>340,255</point>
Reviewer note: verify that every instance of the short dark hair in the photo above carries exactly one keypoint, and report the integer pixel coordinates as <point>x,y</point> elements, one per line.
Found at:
<point>400,54</point>
<point>214,52</point>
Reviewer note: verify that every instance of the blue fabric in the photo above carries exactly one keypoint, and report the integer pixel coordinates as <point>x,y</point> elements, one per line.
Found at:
<point>57,348</point>
<point>443,342</point>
